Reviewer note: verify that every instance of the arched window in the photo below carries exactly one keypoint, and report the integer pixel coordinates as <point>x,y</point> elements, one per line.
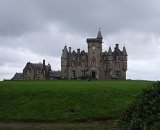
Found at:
<point>93,61</point>
<point>117,66</point>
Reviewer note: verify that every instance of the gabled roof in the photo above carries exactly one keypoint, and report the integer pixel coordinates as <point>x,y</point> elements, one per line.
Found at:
<point>54,74</point>
<point>39,66</point>
<point>83,52</point>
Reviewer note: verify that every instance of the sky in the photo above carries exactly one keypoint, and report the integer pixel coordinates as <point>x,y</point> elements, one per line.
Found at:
<point>33,30</point>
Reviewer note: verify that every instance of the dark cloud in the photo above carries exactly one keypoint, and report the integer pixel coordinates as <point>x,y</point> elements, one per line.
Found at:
<point>21,16</point>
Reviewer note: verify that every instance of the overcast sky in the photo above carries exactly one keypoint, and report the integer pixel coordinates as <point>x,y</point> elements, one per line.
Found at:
<point>33,30</point>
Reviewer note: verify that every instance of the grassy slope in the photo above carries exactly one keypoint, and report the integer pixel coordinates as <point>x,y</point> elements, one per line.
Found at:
<point>66,100</point>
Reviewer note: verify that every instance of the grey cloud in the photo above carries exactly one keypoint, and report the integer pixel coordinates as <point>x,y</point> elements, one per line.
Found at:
<point>20,16</point>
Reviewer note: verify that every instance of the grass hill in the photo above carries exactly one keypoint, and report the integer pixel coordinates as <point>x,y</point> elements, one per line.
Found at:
<point>66,100</point>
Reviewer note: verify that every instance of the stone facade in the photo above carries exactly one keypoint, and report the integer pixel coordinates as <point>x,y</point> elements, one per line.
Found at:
<point>36,71</point>
<point>94,63</point>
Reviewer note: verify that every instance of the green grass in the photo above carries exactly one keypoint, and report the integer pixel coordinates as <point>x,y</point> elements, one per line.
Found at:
<point>66,100</point>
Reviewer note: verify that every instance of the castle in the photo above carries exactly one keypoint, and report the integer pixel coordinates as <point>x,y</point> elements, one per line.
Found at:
<point>94,63</point>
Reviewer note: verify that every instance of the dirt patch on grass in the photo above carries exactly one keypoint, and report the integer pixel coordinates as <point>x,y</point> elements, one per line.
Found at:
<point>89,125</point>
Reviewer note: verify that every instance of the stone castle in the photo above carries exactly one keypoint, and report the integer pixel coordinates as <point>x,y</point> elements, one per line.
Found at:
<point>94,63</point>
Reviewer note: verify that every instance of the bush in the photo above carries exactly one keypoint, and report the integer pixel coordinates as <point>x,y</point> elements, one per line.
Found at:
<point>156,126</point>
<point>144,112</point>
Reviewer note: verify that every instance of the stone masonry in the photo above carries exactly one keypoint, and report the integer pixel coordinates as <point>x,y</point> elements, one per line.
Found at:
<point>94,64</point>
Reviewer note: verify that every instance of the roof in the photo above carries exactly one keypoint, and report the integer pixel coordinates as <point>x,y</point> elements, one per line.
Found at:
<point>93,40</point>
<point>124,52</point>
<point>109,51</point>
<point>18,76</point>
<point>54,74</point>
<point>99,35</point>
<point>65,53</point>
<point>39,66</point>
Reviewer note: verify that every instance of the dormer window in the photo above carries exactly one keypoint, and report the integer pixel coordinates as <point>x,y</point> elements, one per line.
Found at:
<point>28,72</point>
<point>37,71</point>
<point>83,63</point>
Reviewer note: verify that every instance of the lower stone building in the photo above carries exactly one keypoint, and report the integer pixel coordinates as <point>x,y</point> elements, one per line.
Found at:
<point>34,71</point>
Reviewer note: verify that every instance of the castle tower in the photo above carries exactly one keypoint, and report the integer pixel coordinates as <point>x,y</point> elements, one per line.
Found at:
<point>109,63</point>
<point>124,62</point>
<point>94,55</point>
<point>64,63</point>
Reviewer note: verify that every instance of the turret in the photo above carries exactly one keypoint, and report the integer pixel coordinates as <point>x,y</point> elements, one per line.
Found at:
<point>99,35</point>
<point>124,62</point>
<point>109,51</point>
<point>64,63</point>
<point>64,53</point>
<point>109,58</point>
<point>124,52</point>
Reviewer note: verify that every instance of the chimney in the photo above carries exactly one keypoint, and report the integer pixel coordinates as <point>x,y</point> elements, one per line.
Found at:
<point>44,68</point>
<point>78,51</point>
<point>43,63</point>
<point>69,49</point>
<point>117,45</point>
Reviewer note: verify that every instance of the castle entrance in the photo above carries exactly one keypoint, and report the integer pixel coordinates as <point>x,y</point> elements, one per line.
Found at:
<point>93,74</point>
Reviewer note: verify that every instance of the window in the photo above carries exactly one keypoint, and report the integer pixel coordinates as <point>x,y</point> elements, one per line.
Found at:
<point>105,66</point>
<point>117,74</point>
<point>73,73</point>
<point>83,63</point>
<point>73,63</point>
<point>28,72</point>
<point>65,62</point>
<point>106,73</point>
<point>78,63</point>
<point>83,57</point>
<point>84,73</point>
<point>93,62</point>
<point>109,66</point>
<point>117,66</point>
<point>74,58</point>
<point>37,71</point>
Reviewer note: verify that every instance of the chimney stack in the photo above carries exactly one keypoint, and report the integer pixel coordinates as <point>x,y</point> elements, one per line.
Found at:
<point>43,63</point>
<point>117,45</point>
<point>69,49</point>
<point>78,51</point>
